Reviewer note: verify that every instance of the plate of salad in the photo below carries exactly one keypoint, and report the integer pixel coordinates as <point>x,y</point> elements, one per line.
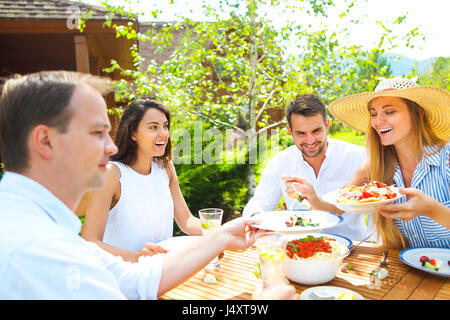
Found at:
<point>305,221</point>
<point>363,199</point>
<point>428,259</point>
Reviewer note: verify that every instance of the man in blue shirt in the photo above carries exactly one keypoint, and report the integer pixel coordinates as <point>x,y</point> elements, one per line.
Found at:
<point>55,144</point>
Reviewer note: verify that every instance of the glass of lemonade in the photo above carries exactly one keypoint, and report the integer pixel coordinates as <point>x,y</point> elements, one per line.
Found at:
<point>210,219</point>
<point>271,251</point>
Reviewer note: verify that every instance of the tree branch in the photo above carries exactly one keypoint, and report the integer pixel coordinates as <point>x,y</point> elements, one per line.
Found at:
<point>273,125</point>
<point>265,104</point>
<point>215,122</point>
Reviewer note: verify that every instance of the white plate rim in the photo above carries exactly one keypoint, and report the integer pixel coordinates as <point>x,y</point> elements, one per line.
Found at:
<point>402,257</point>
<point>300,229</point>
<point>306,292</point>
<point>355,207</point>
<point>350,242</point>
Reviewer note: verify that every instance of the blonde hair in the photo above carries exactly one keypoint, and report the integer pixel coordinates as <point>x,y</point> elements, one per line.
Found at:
<point>383,163</point>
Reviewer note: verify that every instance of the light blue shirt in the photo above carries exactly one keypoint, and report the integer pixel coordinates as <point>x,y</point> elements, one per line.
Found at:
<point>432,177</point>
<point>42,255</point>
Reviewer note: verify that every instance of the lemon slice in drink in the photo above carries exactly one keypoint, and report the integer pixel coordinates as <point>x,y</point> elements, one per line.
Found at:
<point>206,225</point>
<point>274,255</point>
<point>346,296</point>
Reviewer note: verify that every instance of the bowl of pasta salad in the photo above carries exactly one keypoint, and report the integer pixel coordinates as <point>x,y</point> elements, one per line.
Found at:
<point>313,259</point>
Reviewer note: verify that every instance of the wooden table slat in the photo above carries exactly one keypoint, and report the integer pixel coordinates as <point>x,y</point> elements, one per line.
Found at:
<point>444,292</point>
<point>407,284</point>
<point>427,288</point>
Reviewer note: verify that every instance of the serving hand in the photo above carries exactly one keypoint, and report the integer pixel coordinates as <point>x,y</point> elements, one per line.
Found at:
<point>298,186</point>
<point>151,249</point>
<point>417,203</point>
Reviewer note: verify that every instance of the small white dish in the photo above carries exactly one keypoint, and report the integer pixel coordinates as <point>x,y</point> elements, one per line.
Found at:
<point>327,293</point>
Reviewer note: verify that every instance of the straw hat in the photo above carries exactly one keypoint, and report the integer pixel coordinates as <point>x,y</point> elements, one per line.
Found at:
<point>352,110</point>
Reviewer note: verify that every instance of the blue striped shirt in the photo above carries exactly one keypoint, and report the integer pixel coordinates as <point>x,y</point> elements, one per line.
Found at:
<point>432,177</point>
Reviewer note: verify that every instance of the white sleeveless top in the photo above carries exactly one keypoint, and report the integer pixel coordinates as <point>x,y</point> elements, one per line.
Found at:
<point>144,212</point>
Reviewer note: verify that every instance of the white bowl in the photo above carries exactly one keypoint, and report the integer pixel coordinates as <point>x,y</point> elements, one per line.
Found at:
<point>313,272</point>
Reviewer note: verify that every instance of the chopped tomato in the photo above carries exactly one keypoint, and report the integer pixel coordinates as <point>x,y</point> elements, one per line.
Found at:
<point>306,249</point>
<point>390,195</point>
<point>380,184</point>
<point>366,194</point>
<point>424,258</point>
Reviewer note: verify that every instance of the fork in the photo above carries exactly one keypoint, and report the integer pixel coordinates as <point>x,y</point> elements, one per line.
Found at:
<point>379,273</point>
<point>383,262</point>
<point>291,207</point>
<point>354,246</point>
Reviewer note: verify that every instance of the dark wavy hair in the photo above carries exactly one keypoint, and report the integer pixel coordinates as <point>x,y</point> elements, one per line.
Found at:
<point>306,105</point>
<point>127,147</point>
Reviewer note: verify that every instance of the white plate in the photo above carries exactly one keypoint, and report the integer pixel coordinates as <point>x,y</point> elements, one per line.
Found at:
<point>412,256</point>
<point>364,208</point>
<point>276,220</point>
<point>176,243</point>
<point>327,290</point>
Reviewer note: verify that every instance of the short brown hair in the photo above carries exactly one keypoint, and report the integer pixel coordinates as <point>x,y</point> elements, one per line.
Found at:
<point>306,105</point>
<point>38,98</point>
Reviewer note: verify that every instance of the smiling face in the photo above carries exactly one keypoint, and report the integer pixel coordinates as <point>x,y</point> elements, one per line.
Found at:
<point>83,151</point>
<point>309,134</point>
<point>391,119</point>
<point>152,134</point>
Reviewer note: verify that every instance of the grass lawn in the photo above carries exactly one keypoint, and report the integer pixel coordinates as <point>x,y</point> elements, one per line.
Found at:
<point>350,136</point>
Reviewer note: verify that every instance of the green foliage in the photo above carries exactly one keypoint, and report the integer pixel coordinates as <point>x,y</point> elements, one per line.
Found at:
<point>349,135</point>
<point>437,75</point>
<point>213,185</point>
<point>229,71</point>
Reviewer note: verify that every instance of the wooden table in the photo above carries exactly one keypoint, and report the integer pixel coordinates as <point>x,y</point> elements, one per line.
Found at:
<point>236,280</point>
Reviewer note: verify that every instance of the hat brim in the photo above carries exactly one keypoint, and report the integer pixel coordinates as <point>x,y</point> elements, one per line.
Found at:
<point>353,110</point>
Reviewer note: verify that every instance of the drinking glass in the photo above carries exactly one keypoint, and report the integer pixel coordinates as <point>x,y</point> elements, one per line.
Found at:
<point>211,218</point>
<point>271,251</point>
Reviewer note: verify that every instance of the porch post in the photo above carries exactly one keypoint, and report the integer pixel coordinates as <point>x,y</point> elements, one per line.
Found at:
<point>81,54</point>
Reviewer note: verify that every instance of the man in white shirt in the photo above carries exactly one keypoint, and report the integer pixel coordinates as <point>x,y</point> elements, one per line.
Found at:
<point>55,144</point>
<point>326,164</point>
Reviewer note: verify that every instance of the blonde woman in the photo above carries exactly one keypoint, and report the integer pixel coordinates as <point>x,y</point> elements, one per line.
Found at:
<point>408,129</point>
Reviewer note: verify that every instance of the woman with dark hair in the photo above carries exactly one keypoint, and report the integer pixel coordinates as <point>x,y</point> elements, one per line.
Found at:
<point>141,195</point>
